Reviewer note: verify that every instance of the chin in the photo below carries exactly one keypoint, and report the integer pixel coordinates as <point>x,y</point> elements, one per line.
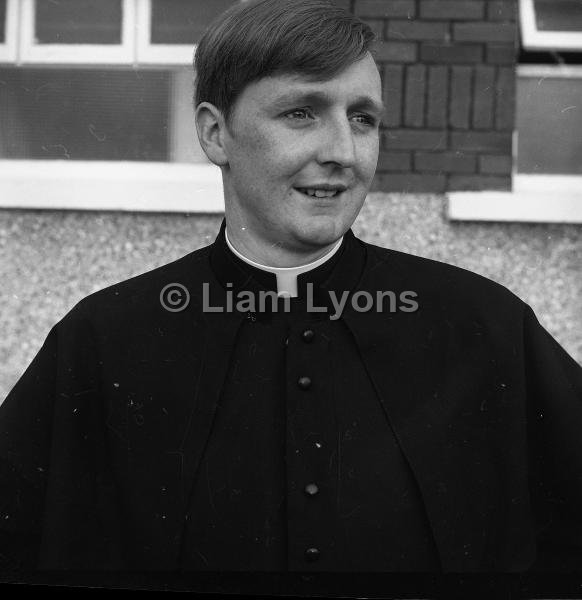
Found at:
<point>320,232</point>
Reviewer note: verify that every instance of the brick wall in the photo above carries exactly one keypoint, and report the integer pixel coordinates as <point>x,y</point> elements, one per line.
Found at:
<point>448,69</point>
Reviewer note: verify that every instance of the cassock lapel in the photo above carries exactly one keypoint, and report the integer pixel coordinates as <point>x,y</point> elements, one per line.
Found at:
<point>175,371</point>
<point>223,276</point>
<point>214,341</point>
<point>404,354</point>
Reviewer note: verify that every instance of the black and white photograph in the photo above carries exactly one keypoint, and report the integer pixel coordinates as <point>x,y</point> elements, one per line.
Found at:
<point>291,298</point>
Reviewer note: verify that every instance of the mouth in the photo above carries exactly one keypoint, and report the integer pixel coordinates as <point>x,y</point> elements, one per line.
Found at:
<point>321,192</point>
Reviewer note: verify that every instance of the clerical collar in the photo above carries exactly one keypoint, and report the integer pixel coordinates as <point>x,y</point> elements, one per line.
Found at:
<point>286,276</point>
<point>339,273</point>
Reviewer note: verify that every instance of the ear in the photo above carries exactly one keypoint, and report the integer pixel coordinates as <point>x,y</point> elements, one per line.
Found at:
<point>211,127</point>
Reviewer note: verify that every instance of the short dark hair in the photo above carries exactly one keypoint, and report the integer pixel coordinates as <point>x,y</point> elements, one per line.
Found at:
<point>255,39</point>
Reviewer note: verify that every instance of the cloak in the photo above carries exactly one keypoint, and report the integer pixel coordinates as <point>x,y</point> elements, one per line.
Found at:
<point>101,438</point>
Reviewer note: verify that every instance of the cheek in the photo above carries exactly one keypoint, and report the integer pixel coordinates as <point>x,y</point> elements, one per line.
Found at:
<point>247,147</point>
<point>368,159</point>
<point>267,161</point>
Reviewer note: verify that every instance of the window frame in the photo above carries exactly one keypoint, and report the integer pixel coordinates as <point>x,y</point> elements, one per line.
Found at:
<point>76,54</point>
<point>148,53</point>
<point>101,185</point>
<point>139,186</point>
<point>535,198</point>
<point>9,49</point>
<point>169,187</point>
<point>536,39</point>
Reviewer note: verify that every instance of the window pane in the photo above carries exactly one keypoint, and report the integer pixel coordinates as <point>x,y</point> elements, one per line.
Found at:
<point>78,21</point>
<point>183,21</point>
<point>84,114</point>
<point>2,21</point>
<point>558,15</point>
<point>549,125</point>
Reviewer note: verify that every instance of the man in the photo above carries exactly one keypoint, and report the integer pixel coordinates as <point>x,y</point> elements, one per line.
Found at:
<point>386,413</point>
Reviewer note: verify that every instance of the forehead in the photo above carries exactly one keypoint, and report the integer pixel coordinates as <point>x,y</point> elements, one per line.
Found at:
<point>358,83</point>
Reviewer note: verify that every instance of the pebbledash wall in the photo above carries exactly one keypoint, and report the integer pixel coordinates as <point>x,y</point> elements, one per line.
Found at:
<point>449,85</point>
<point>49,260</point>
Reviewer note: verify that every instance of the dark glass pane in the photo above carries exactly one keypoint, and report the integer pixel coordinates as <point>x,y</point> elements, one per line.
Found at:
<point>2,21</point>
<point>549,125</point>
<point>558,15</point>
<point>183,21</point>
<point>78,21</point>
<point>84,114</point>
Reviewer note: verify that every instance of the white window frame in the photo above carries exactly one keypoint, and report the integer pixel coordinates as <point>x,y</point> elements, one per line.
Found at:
<point>32,53</point>
<point>136,186</point>
<point>535,198</point>
<point>535,39</point>
<point>156,54</point>
<point>9,48</point>
<point>101,185</point>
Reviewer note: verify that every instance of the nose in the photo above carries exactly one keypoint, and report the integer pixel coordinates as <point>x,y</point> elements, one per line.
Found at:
<point>337,143</point>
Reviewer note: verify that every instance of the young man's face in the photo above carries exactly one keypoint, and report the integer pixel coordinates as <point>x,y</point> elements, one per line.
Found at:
<point>301,156</point>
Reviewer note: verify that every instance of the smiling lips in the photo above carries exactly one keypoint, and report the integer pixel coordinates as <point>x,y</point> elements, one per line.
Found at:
<point>321,191</point>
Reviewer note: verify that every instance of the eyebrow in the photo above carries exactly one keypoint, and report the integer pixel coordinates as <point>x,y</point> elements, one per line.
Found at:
<point>359,102</point>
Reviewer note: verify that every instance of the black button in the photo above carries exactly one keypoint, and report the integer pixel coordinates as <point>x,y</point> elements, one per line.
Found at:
<point>304,383</point>
<point>308,335</point>
<point>311,489</point>
<point>312,554</point>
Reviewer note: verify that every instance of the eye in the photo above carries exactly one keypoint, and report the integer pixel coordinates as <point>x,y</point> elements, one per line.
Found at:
<point>365,119</point>
<point>299,114</point>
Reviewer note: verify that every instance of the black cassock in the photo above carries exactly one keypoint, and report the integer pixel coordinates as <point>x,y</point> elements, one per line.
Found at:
<point>445,439</point>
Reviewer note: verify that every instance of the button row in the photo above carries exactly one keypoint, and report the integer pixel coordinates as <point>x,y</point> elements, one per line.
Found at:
<point>311,489</point>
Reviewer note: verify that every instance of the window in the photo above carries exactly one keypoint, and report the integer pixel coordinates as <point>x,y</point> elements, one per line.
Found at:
<point>169,28</point>
<point>78,22</point>
<point>547,170</point>
<point>551,24</point>
<point>104,32</point>
<point>97,105</point>
<point>548,126</point>
<point>77,31</point>
<point>79,114</point>
<point>549,122</point>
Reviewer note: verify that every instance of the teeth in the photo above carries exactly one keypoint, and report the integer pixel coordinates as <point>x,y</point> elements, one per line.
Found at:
<point>318,193</point>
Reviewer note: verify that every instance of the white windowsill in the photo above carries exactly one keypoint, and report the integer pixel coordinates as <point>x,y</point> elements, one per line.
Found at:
<point>550,71</point>
<point>534,199</point>
<point>115,186</point>
<point>197,188</point>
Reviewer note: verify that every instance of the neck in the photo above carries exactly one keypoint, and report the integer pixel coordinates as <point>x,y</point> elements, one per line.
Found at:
<point>274,255</point>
